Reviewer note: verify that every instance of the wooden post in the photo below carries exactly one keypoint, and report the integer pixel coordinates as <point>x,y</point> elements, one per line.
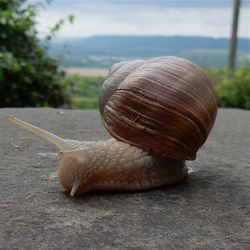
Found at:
<point>233,41</point>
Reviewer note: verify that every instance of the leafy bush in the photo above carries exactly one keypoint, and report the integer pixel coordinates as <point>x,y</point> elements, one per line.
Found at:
<point>85,102</point>
<point>84,90</point>
<point>235,91</point>
<point>216,74</point>
<point>28,77</point>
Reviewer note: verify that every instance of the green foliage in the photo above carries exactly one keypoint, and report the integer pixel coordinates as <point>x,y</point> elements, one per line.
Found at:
<point>216,74</point>
<point>28,77</point>
<point>85,102</point>
<point>84,90</point>
<point>57,26</point>
<point>235,91</point>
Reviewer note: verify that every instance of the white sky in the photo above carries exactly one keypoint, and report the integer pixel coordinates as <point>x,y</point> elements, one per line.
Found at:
<point>143,17</point>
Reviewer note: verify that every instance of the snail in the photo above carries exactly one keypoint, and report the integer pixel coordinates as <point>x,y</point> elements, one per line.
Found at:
<point>159,112</point>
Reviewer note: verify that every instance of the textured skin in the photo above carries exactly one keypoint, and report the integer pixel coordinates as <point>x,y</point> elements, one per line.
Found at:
<point>114,165</point>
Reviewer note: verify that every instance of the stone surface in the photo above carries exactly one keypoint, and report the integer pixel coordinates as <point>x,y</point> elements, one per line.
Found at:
<point>210,210</point>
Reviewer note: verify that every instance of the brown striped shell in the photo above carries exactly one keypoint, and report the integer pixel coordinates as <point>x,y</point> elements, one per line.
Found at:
<point>165,105</point>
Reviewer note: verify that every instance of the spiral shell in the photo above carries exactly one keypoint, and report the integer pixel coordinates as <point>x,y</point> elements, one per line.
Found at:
<point>165,105</point>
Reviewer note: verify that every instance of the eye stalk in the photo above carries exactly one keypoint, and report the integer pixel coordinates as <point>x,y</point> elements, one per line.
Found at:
<point>61,143</point>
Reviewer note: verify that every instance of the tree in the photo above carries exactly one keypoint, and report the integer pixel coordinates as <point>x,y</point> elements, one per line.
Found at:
<point>233,41</point>
<point>28,76</point>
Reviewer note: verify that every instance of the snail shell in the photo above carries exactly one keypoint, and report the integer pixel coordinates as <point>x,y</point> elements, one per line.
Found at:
<point>165,105</point>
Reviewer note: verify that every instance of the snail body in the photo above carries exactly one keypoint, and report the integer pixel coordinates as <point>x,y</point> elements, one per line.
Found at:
<point>159,111</point>
<point>107,165</point>
<point>114,165</point>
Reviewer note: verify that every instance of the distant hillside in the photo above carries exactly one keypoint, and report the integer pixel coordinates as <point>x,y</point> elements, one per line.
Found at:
<point>103,51</point>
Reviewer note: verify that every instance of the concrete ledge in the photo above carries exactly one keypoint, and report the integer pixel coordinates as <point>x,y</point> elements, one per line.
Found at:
<point>211,210</point>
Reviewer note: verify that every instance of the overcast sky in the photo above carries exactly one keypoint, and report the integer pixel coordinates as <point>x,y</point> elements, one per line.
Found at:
<point>143,17</point>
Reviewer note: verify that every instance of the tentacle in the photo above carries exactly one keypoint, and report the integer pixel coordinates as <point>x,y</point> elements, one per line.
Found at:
<point>74,188</point>
<point>61,143</point>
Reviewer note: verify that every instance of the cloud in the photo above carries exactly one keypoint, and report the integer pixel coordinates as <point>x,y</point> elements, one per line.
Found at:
<point>142,18</point>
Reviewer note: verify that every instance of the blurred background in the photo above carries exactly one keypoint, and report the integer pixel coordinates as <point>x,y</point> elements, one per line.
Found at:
<point>57,53</point>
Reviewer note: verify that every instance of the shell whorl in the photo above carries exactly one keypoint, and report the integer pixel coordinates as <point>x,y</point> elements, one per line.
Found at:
<point>165,105</point>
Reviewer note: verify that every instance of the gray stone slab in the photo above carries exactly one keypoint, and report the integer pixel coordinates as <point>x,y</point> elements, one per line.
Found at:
<point>210,210</point>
